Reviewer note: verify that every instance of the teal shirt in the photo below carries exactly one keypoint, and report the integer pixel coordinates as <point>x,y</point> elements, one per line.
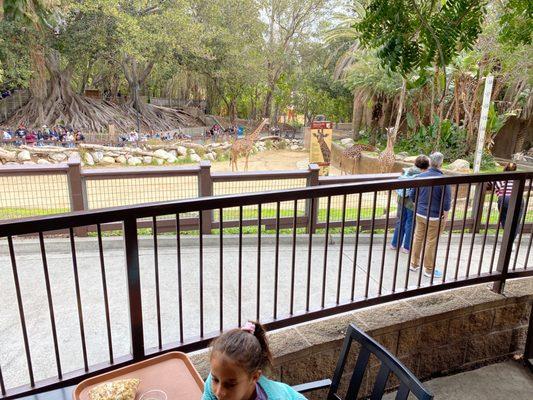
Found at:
<point>274,390</point>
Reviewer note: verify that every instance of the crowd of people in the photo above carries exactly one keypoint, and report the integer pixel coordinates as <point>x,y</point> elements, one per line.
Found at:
<point>143,137</point>
<point>67,136</point>
<point>216,132</point>
<point>432,205</point>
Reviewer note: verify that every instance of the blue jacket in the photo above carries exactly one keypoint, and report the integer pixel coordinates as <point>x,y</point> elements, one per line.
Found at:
<point>423,195</point>
<point>274,390</point>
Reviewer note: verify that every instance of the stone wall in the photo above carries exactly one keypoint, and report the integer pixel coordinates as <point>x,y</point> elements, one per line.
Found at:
<point>432,335</point>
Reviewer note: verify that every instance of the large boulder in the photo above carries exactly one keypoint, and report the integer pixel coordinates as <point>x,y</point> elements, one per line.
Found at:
<point>347,142</point>
<point>98,156</point>
<point>210,156</point>
<point>43,161</point>
<point>160,153</point>
<point>24,155</point>
<point>159,161</point>
<point>410,159</point>
<point>459,166</point>
<point>147,159</point>
<point>172,159</point>
<point>107,160</point>
<point>195,157</point>
<point>88,158</point>
<point>59,157</point>
<point>182,151</point>
<point>121,159</point>
<point>295,147</point>
<point>134,161</point>
<point>173,153</point>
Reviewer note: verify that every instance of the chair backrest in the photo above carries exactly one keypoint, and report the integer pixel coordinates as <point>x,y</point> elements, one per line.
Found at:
<point>389,364</point>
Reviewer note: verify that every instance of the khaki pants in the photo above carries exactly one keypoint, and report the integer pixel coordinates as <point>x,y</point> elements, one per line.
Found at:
<point>430,242</point>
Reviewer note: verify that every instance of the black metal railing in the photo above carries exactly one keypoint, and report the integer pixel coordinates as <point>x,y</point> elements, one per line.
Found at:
<point>70,313</point>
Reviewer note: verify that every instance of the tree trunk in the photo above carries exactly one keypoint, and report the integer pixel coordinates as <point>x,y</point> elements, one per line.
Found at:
<point>357,114</point>
<point>400,110</point>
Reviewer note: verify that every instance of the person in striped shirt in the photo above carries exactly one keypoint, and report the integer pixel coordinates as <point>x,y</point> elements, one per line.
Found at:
<point>503,190</point>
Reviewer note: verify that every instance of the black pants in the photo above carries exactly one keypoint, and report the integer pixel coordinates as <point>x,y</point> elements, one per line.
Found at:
<point>503,206</point>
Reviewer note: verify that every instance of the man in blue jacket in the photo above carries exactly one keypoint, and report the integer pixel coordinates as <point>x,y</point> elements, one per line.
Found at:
<point>425,207</point>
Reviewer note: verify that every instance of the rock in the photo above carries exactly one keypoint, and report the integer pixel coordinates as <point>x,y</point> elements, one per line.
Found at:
<point>182,151</point>
<point>195,157</point>
<point>42,161</point>
<point>24,155</point>
<point>11,163</point>
<point>173,152</point>
<point>215,145</point>
<point>98,156</point>
<point>159,161</point>
<point>459,166</point>
<point>347,142</point>
<point>192,151</point>
<point>160,153</point>
<point>111,154</point>
<point>107,160</point>
<point>295,147</point>
<point>147,159</point>
<point>210,156</point>
<point>88,158</point>
<point>121,159</point>
<point>172,159</point>
<point>134,161</point>
<point>28,162</point>
<point>58,157</point>
<point>410,159</point>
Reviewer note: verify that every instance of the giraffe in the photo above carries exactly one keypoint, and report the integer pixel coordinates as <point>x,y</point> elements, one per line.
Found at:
<point>243,147</point>
<point>324,149</point>
<point>354,153</point>
<point>386,157</point>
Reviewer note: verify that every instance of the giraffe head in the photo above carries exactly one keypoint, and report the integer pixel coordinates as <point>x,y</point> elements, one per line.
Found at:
<point>320,136</point>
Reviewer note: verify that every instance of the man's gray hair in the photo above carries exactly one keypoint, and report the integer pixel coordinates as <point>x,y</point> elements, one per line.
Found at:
<point>436,159</point>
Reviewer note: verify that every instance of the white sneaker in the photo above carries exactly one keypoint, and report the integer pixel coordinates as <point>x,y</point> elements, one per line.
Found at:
<point>413,268</point>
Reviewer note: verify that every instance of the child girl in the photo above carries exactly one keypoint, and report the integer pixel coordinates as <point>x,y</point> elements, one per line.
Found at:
<point>238,359</point>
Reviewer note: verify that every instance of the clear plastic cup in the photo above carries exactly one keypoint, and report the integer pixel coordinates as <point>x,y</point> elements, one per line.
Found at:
<point>154,394</point>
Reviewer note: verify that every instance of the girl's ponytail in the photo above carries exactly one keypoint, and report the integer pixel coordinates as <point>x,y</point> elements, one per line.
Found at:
<point>260,334</point>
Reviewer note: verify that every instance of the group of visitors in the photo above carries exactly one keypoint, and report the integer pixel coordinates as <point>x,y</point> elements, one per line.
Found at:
<point>133,136</point>
<point>432,207</point>
<point>216,132</point>
<point>44,135</point>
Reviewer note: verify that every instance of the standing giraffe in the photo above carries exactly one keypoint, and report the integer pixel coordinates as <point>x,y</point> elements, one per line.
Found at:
<point>324,149</point>
<point>243,147</point>
<point>354,153</point>
<point>386,157</point>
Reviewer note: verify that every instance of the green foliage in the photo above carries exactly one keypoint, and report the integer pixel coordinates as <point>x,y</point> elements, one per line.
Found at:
<point>488,164</point>
<point>413,34</point>
<point>516,22</point>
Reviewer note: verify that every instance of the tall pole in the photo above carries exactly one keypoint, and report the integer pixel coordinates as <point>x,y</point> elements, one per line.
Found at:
<point>483,122</point>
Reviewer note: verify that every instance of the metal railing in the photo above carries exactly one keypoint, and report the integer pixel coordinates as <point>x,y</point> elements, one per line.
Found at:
<point>184,287</point>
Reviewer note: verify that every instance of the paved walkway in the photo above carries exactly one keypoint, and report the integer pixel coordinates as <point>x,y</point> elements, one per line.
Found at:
<point>29,263</point>
<point>503,381</point>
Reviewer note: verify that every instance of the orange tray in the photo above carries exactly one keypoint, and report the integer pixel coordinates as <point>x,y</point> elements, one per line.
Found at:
<point>172,373</point>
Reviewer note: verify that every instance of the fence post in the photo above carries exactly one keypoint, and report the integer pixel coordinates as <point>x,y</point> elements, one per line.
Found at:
<point>477,206</point>
<point>312,180</point>
<point>205,188</point>
<point>509,233</point>
<point>131,248</point>
<point>75,189</point>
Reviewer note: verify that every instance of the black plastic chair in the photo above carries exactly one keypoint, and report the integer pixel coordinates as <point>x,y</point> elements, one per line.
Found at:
<point>389,364</point>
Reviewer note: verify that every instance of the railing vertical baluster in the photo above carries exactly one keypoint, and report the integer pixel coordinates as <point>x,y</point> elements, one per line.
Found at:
<point>454,207</point>
<point>201,271</point>
<point>104,289</point>
<point>325,268</point>
<point>528,249</point>
<point>509,233</point>
<point>221,270</point>
<point>2,385</point>
<point>21,313</point>
<point>383,255</point>
<point>522,226</point>
<point>487,224</point>
<point>462,232</point>
<point>422,255</point>
<point>180,283</point>
<point>477,214</point>
<point>131,245</point>
<point>356,245</point>
<point>496,236</point>
<point>78,299</point>
<point>293,264</point>
<point>409,256</point>
<point>372,224</point>
<point>276,262</point>
<point>50,305</point>
<point>441,205</point>
<point>343,222</point>
<point>258,305</point>
<point>400,239</point>
<point>157,293</point>
<point>309,255</point>
<point>240,267</point>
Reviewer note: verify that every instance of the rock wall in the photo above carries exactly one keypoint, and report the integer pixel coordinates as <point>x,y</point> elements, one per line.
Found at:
<point>144,154</point>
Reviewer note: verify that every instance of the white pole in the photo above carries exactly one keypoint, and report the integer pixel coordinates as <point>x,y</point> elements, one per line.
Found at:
<point>483,122</point>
